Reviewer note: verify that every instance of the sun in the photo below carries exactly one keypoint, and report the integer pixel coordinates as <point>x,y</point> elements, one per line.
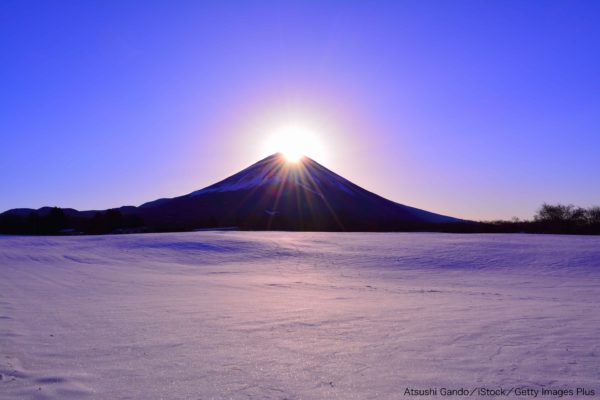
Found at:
<point>294,142</point>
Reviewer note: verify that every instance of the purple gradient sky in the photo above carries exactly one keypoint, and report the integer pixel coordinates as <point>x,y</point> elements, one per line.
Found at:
<point>473,109</point>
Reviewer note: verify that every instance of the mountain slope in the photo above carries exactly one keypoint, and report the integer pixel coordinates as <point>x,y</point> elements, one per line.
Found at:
<point>274,193</point>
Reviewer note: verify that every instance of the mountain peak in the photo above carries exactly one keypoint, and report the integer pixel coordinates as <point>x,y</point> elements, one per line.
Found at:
<point>277,170</point>
<point>275,193</point>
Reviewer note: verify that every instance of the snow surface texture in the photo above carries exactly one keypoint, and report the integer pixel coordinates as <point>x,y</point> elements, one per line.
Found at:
<point>277,315</point>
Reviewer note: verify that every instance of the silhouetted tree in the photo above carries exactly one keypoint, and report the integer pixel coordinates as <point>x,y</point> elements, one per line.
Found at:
<point>54,221</point>
<point>33,222</point>
<point>592,215</point>
<point>554,213</point>
<point>114,219</point>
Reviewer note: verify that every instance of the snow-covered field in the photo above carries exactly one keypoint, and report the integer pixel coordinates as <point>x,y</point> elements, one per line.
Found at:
<point>277,315</point>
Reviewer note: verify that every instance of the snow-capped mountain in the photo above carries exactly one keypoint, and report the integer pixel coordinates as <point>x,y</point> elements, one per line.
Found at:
<point>275,193</point>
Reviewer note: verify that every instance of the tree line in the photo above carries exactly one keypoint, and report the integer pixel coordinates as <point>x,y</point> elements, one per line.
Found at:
<point>57,222</point>
<point>549,218</point>
<point>560,218</point>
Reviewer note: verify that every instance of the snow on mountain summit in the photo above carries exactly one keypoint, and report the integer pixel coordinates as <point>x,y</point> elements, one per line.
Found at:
<point>275,169</point>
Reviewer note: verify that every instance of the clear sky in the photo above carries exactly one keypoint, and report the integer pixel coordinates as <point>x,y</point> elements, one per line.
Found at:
<point>475,109</point>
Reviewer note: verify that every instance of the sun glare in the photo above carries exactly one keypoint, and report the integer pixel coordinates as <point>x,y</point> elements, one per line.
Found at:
<point>294,142</point>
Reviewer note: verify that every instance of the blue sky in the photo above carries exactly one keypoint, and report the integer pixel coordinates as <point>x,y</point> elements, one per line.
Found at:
<point>474,109</point>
